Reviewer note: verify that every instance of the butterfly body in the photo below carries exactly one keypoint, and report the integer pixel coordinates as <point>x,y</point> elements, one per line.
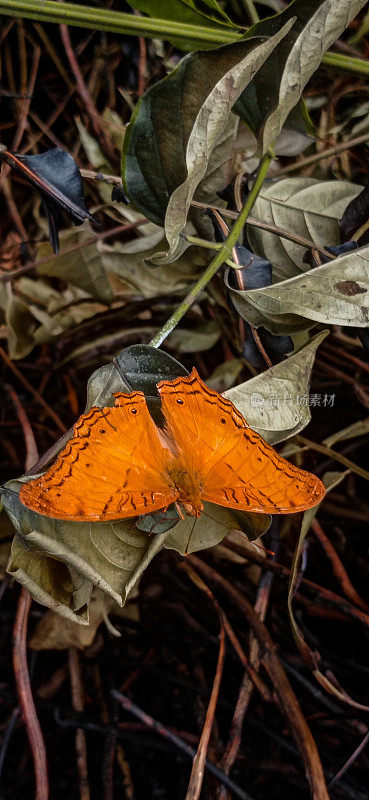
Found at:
<point>119,465</point>
<point>188,487</point>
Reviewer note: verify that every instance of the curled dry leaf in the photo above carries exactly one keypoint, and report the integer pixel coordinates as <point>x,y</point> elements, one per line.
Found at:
<point>57,178</point>
<point>271,402</point>
<point>277,87</point>
<point>20,323</point>
<point>130,275</point>
<point>305,206</point>
<point>176,127</point>
<point>334,293</point>
<point>79,263</point>
<point>59,562</point>
<point>337,293</point>
<point>54,632</point>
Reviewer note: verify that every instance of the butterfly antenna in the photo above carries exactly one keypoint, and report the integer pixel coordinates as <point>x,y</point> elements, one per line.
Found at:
<point>227,528</point>
<point>257,546</point>
<point>240,533</point>
<point>189,538</point>
<point>265,549</point>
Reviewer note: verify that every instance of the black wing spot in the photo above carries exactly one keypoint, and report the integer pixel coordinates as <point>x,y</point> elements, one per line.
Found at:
<point>179,401</point>
<point>133,410</point>
<point>223,420</point>
<point>102,430</point>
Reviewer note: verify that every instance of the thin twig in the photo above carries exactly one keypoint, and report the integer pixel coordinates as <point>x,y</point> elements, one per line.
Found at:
<point>219,258</point>
<point>31,446</point>
<point>197,772</point>
<point>129,226</point>
<point>268,226</point>
<point>50,411</point>
<point>331,151</point>
<point>152,723</point>
<point>283,691</point>
<point>357,752</point>
<point>126,773</point>
<point>338,569</point>
<point>331,598</point>
<point>25,695</point>
<point>25,109</point>
<point>78,705</point>
<point>115,180</point>
<point>84,94</point>
<point>327,451</point>
<point>246,689</point>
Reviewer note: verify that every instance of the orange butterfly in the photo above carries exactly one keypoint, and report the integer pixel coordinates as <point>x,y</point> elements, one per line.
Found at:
<point>116,465</point>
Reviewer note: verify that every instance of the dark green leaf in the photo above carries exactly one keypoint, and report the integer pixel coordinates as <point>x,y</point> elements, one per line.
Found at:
<point>207,12</point>
<point>177,126</point>
<point>276,88</point>
<point>56,176</point>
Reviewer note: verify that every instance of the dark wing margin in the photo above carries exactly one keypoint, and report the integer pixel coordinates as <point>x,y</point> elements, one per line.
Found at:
<point>234,466</point>
<point>114,467</point>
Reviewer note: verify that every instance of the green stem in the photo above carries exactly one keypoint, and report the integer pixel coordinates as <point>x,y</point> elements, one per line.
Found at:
<point>357,66</point>
<point>327,451</point>
<point>223,254</point>
<point>202,242</point>
<point>103,19</point>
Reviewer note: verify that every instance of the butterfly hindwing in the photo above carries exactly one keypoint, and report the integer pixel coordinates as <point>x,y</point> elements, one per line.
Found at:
<point>234,466</point>
<point>114,467</point>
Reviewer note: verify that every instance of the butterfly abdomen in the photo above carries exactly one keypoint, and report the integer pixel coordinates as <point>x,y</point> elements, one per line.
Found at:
<point>188,487</point>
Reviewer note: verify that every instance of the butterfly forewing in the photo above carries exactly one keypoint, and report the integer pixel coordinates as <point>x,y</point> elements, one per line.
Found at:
<point>114,467</point>
<point>234,466</point>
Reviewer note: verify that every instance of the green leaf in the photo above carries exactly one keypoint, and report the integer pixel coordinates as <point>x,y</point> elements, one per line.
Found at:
<point>306,206</point>
<point>313,209</point>
<point>191,535</point>
<point>59,561</point>
<point>271,402</point>
<point>136,368</point>
<point>178,124</point>
<point>277,87</point>
<point>337,293</point>
<point>208,13</point>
